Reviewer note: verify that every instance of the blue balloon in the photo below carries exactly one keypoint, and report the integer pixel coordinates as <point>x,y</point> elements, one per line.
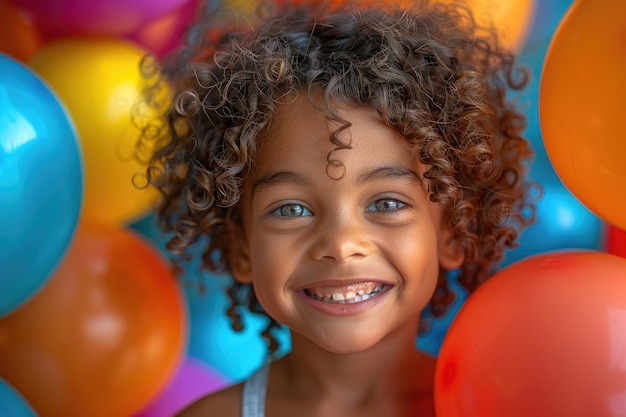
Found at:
<point>562,221</point>
<point>12,404</point>
<point>548,16</point>
<point>430,339</point>
<point>235,355</point>
<point>41,183</point>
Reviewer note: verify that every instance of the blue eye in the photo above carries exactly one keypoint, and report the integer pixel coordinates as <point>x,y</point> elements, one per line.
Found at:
<point>291,210</point>
<point>386,205</point>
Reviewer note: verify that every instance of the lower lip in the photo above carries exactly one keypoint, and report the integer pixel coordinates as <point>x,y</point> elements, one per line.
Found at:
<point>342,310</point>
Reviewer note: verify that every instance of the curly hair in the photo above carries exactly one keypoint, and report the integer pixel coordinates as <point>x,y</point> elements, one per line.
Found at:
<point>428,70</point>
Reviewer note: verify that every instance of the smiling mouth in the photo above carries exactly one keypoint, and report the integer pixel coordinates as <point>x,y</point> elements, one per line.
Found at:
<point>350,294</point>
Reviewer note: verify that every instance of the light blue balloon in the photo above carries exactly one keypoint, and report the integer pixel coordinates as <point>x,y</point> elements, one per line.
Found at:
<point>436,327</point>
<point>235,355</point>
<point>12,404</point>
<point>41,183</point>
<point>562,221</point>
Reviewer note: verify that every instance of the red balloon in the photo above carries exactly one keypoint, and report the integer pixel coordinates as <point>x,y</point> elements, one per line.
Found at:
<point>103,336</point>
<point>19,37</point>
<point>545,337</point>
<point>616,241</point>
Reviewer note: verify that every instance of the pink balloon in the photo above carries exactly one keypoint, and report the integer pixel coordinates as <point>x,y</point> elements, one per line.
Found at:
<point>103,17</point>
<point>193,380</point>
<point>165,33</point>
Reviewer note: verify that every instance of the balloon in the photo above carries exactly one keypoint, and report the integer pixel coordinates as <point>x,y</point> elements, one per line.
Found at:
<point>250,7</point>
<point>164,34</point>
<point>41,184</point>
<point>548,16</point>
<point>432,328</point>
<point>193,380</point>
<point>12,404</point>
<point>235,355</point>
<point>18,35</point>
<point>562,222</point>
<point>512,18</point>
<point>544,337</point>
<point>616,241</point>
<point>100,82</point>
<point>103,336</point>
<point>581,111</point>
<point>102,17</point>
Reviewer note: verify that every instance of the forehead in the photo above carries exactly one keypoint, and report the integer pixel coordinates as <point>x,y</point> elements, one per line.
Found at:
<point>300,136</point>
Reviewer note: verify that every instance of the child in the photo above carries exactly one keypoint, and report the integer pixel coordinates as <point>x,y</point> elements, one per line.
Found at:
<point>340,162</point>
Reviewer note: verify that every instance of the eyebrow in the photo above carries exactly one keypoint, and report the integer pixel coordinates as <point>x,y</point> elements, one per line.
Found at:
<point>375,174</point>
<point>389,172</point>
<point>278,177</point>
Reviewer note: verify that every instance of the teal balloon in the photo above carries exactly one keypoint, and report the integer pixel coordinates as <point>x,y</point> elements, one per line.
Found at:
<point>12,404</point>
<point>41,183</point>
<point>233,354</point>
<point>561,220</point>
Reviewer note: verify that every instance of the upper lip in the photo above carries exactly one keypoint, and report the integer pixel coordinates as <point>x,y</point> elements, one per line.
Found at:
<point>339,282</point>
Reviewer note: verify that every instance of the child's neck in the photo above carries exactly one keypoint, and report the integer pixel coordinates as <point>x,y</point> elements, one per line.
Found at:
<point>392,371</point>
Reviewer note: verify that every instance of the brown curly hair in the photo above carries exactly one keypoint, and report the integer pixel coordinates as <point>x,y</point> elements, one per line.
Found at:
<point>429,71</point>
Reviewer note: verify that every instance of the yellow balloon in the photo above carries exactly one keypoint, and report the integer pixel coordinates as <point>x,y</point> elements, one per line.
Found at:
<point>512,18</point>
<point>100,82</point>
<point>247,7</point>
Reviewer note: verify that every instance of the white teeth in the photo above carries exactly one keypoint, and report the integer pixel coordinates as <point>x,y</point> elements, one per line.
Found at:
<point>350,297</point>
<point>338,296</point>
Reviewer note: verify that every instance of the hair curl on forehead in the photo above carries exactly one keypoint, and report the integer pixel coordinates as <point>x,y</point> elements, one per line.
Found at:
<point>429,72</point>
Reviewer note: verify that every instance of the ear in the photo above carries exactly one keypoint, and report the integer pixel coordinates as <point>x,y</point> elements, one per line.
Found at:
<point>451,255</point>
<point>239,256</point>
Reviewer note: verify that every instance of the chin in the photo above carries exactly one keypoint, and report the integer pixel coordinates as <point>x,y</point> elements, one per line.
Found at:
<point>347,344</point>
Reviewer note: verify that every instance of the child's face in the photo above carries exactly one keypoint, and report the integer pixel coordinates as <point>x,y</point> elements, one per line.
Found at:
<point>312,240</point>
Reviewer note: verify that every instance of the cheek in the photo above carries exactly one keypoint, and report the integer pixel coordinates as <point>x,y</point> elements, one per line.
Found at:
<point>269,253</point>
<point>271,268</point>
<point>418,255</point>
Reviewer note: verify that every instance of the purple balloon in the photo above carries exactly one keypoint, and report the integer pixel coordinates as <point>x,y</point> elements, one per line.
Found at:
<point>193,380</point>
<point>99,17</point>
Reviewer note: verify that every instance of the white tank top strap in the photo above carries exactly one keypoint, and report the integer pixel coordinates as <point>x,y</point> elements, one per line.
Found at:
<point>254,392</point>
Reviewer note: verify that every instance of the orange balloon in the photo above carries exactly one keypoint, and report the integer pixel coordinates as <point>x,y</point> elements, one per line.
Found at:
<point>545,337</point>
<point>581,106</point>
<point>105,333</point>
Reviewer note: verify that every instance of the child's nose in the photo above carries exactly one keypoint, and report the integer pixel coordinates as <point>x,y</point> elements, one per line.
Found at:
<point>341,238</point>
